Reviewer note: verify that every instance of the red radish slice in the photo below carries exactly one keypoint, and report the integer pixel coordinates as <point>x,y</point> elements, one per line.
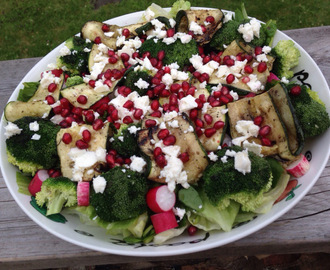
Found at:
<point>36,182</point>
<point>271,77</point>
<point>299,167</point>
<point>83,193</point>
<point>163,221</point>
<point>160,199</point>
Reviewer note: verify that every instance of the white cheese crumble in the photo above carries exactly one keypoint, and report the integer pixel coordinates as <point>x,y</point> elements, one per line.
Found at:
<point>148,14</point>
<point>254,84</point>
<point>34,126</point>
<point>179,212</point>
<point>187,103</point>
<point>64,51</point>
<point>250,30</point>
<point>137,164</point>
<point>228,17</point>
<point>11,129</point>
<point>99,184</point>
<point>195,28</point>
<point>141,84</point>
<point>47,78</point>
<point>253,147</point>
<point>242,162</point>
<point>212,156</point>
<point>35,137</point>
<point>133,129</point>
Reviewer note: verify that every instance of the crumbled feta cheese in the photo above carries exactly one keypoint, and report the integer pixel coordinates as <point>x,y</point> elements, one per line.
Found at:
<point>35,137</point>
<point>99,184</point>
<point>169,40</point>
<point>187,103</point>
<point>141,84</point>
<point>56,119</point>
<point>212,156</point>
<point>133,129</point>
<point>169,115</point>
<point>195,28</point>
<point>172,22</point>
<point>247,128</point>
<point>11,129</point>
<point>148,14</point>
<point>109,34</point>
<point>249,30</point>
<point>285,80</point>
<point>253,147</point>
<point>121,138</point>
<point>228,17</point>
<point>87,50</point>
<point>185,38</point>
<point>224,111</point>
<point>179,212</point>
<point>174,124</point>
<point>262,58</point>
<point>47,78</point>
<point>266,49</point>
<point>64,51</point>
<point>101,87</point>
<point>34,126</point>
<point>254,84</point>
<point>242,162</point>
<point>137,164</point>
<point>234,95</point>
<point>224,159</point>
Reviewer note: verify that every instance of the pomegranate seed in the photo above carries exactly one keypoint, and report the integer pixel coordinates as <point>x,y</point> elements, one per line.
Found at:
<point>126,32</point>
<point>192,230</point>
<point>154,105</point>
<point>249,58</point>
<point>165,93</point>
<point>127,120</point>
<point>199,123</point>
<point>250,95</point>
<point>197,74</point>
<point>258,50</point>
<point>155,81</point>
<point>170,32</point>
<point>90,117</point>
<point>208,118</point>
<point>125,57</point>
<point>161,55</point>
<point>82,99</point>
<point>157,151</point>
<point>202,98</point>
<point>69,119</point>
<point>52,87</point>
<point>262,67</point>
<point>135,55</point>
<point>137,114</point>
<point>199,131</point>
<point>112,60</point>
<point>216,94</point>
<point>185,86</point>
<point>57,72</point>
<point>128,104</point>
<point>184,157</point>
<point>206,59</point>
<point>224,99</point>
<point>193,114</point>
<point>174,108</point>
<point>91,83</point>
<point>150,93</point>
<point>167,70</point>
<point>150,123</point>
<point>258,120</point>
<point>81,144</point>
<point>163,133</point>
<point>157,114</point>
<point>295,90</point>
<point>210,19</point>
<point>200,50</point>
<point>110,159</point>
<point>114,115</point>
<point>175,87</point>
<point>181,94</point>
<point>230,62</point>
<point>65,112</point>
<point>203,28</point>
<point>161,161</point>
<point>65,103</point>
<point>153,61</point>
<point>64,124</point>
<point>119,160</point>
<point>219,124</point>
<point>67,138</point>
<point>266,142</point>
<point>50,100</point>
<point>264,130</point>
<point>169,140</point>
<point>209,132</point>
<point>127,91</point>
<point>199,103</point>
<point>230,78</point>
<point>117,74</point>
<point>97,40</point>
<point>127,161</point>
<point>86,134</point>
<point>112,152</point>
<point>105,28</point>
<point>215,103</point>
<point>98,124</point>
<point>54,173</point>
<point>173,99</point>
<point>248,69</point>
<point>216,58</point>
<point>245,79</point>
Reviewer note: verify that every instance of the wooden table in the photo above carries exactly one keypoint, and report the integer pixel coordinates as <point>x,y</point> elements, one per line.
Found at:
<point>304,229</point>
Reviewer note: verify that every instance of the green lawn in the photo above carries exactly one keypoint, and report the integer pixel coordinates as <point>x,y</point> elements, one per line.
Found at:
<point>33,28</point>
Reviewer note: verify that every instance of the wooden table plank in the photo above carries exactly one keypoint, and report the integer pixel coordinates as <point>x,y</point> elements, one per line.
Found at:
<point>306,228</point>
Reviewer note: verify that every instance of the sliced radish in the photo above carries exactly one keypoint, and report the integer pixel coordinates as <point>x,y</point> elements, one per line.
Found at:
<point>164,221</point>
<point>83,193</point>
<point>271,77</point>
<point>160,199</point>
<point>299,167</point>
<point>36,182</point>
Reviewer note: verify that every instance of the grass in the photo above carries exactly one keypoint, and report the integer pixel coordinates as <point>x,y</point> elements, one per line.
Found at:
<point>33,28</point>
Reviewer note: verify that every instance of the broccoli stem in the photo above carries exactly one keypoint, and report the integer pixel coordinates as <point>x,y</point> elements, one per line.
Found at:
<point>56,205</point>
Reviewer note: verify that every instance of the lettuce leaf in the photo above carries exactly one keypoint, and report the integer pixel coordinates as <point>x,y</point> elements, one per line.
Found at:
<point>28,91</point>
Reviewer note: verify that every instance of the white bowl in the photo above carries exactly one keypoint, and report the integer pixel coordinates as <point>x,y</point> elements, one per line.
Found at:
<point>95,238</point>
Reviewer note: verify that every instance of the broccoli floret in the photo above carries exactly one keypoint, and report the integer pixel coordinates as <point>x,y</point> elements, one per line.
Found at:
<point>77,61</point>
<point>286,58</point>
<point>74,80</point>
<point>57,193</point>
<point>123,197</point>
<point>133,76</point>
<point>31,155</point>
<point>225,35</point>
<point>222,182</point>
<point>310,111</point>
<point>124,141</point>
<point>174,52</point>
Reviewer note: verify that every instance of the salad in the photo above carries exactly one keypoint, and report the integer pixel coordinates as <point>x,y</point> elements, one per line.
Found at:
<point>182,122</point>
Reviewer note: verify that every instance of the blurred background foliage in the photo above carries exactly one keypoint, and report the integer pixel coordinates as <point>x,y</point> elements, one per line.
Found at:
<point>33,28</point>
